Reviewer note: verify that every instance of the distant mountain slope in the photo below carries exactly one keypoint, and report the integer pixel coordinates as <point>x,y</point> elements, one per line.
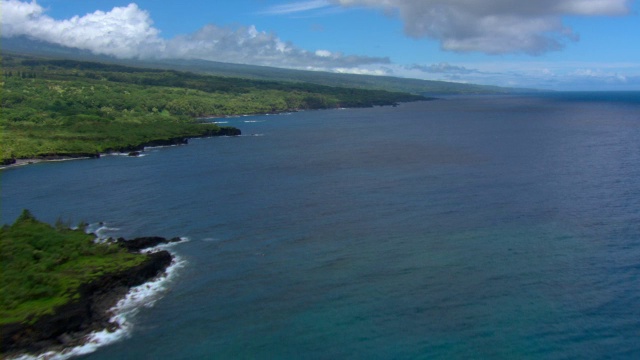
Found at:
<point>389,83</point>
<point>416,86</point>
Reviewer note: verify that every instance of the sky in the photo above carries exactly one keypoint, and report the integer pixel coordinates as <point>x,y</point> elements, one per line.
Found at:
<point>545,44</point>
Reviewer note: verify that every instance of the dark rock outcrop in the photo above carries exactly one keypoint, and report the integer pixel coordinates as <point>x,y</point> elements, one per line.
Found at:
<point>140,243</point>
<point>227,131</point>
<point>9,161</point>
<point>140,147</point>
<point>87,312</point>
<point>62,156</point>
<point>181,140</point>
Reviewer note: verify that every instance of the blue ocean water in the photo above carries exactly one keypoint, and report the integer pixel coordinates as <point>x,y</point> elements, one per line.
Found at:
<point>489,227</point>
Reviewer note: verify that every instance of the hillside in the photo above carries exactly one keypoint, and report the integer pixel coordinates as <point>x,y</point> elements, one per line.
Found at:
<point>389,83</point>
<point>62,107</point>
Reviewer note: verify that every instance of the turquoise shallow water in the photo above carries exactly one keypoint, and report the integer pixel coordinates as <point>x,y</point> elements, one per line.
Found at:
<point>468,227</point>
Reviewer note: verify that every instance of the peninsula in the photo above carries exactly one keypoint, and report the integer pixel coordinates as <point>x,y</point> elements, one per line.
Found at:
<point>58,284</point>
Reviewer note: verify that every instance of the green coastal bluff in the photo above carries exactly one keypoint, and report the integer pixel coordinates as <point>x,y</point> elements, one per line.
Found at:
<point>61,108</point>
<point>58,284</point>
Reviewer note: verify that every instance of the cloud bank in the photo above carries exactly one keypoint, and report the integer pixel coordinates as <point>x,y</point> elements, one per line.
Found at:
<point>493,26</point>
<point>128,32</point>
<point>532,74</point>
<point>123,32</point>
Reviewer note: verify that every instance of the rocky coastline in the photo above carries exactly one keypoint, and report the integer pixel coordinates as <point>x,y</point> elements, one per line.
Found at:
<point>90,310</point>
<point>132,150</point>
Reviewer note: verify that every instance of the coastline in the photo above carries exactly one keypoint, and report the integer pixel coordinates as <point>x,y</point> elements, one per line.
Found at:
<point>136,149</point>
<point>31,161</point>
<point>132,150</point>
<point>98,316</point>
<point>144,295</point>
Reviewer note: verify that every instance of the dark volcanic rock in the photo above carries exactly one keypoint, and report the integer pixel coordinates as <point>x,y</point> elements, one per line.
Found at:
<point>140,243</point>
<point>7,162</point>
<point>228,131</point>
<point>140,147</point>
<point>167,142</point>
<point>89,312</point>
<point>61,156</point>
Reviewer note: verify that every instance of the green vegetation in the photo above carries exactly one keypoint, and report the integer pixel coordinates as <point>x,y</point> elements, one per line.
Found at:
<point>68,107</point>
<point>43,266</point>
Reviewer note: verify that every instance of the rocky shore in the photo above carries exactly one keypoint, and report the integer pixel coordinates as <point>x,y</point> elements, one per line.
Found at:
<point>222,131</point>
<point>132,150</point>
<point>89,311</point>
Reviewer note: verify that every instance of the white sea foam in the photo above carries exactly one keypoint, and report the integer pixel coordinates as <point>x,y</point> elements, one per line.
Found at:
<point>254,121</point>
<point>101,231</point>
<point>144,295</point>
<point>125,154</point>
<point>183,239</point>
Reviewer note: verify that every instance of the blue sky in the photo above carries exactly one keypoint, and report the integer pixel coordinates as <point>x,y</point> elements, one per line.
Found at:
<point>552,44</point>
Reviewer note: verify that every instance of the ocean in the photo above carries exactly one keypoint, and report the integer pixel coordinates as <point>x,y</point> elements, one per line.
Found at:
<point>487,227</point>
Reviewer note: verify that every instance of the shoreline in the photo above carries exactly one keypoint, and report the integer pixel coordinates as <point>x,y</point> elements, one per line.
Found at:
<point>130,150</point>
<point>128,305</point>
<point>100,315</point>
<point>32,161</point>
<point>133,150</point>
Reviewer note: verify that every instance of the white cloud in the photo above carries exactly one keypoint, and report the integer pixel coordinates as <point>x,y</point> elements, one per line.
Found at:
<point>361,71</point>
<point>297,7</point>
<point>244,44</point>
<point>249,46</point>
<point>442,68</point>
<point>532,74</point>
<point>122,32</point>
<point>599,74</point>
<point>493,26</point>
<point>128,32</point>
<point>323,53</point>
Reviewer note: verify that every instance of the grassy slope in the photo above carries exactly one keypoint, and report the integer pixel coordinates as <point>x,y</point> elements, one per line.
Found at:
<point>42,266</point>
